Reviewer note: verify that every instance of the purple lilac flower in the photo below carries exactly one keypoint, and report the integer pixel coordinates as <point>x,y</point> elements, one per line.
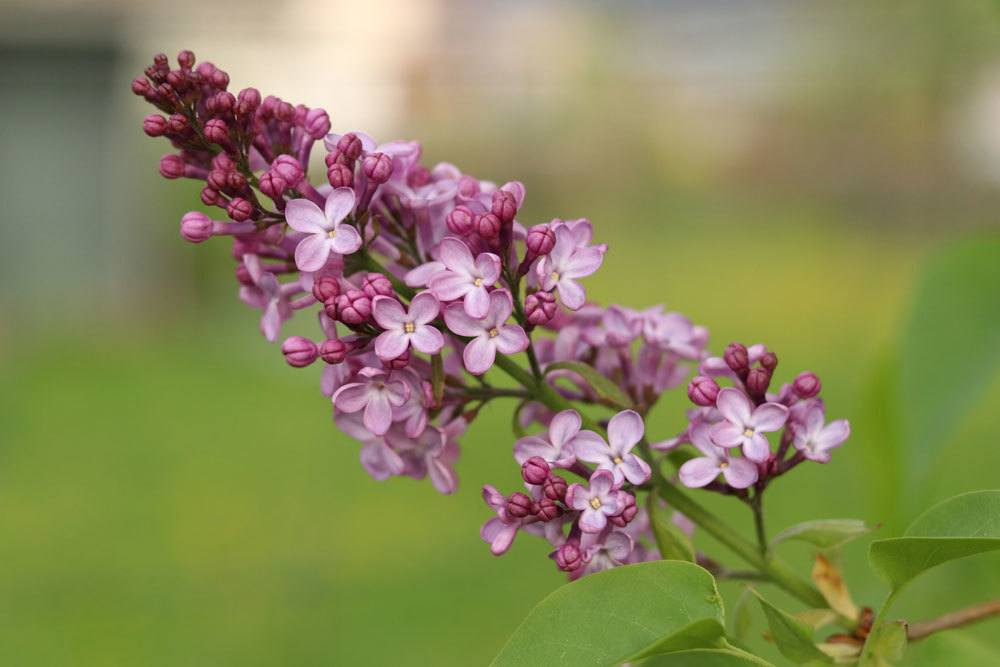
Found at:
<point>625,430</point>
<point>376,392</point>
<point>558,447</point>
<point>745,425</point>
<point>814,438</point>
<point>404,328</point>
<point>595,502</point>
<point>325,230</point>
<point>465,277</point>
<point>489,335</point>
<point>738,472</point>
<point>565,263</point>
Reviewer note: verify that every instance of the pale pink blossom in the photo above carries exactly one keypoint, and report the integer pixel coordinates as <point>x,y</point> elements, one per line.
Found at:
<point>406,327</point>
<point>815,438</point>
<point>738,472</point>
<point>625,430</point>
<point>595,502</point>
<point>376,393</point>
<point>325,230</point>
<point>743,425</point>
<point>567,262</point>
<point>465,277</point>
<point>489,335</point>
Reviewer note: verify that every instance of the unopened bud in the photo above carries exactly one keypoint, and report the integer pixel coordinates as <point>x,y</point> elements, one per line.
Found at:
<point>317,123</point>
<point>172,166</point>
<point>569,557</point>
<point>504,205</point>
<point>554,487</point>
<point>353,307</point>
<point>806,385</point>
<point>758,380</point>
<point>703,390</point>
<point>540,308</point>
<point>333,350</point>
<point>340,176</point>
<point>377,167</point>
<point>769,361</point>
<point>546,510</point>
<point>737,359</point>
<point>488,226</point>
<point>535,470</point>
<point>196,227</point>
<point>272,184</point>
<point>154,125</point>
<point>540,240</point>
<point>217,131</point>
<point>460,220</point>
<point>629,510</point>
<point>239,209</point>
<point>288,168</point>
<point>299,352</point>
<point>519,505</point>
<point>400,362</point>
<point>350,145</point>
<point>326,288</point>
<point>375,284</point>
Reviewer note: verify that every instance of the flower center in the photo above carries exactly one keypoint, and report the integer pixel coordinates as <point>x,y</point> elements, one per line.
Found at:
<point>494,333</point>
<point>723,465</point>
<point>555,276</point>
<point>409,327</point>
<point>478,282</point>
<point>617,460</point>
<point>748,432</point>
<point>332,233</point>
<point>595,503</point>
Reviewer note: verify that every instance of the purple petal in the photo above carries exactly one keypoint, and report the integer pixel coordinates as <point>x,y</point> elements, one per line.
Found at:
<point>304,216</point>
<point>583,262</point>
<point>388,312</point>
<point>487,267</point>
<point>698,472</point>
<point>381,461</point>
<point>635,469</point>
<point>346,240</point>
<point>740,473</point>
<point>591,450</point>
<point>442,477</point>
<point>312,252</point>
<point>479,354</point>
<point>564,426</point>
<point>477,300</point>
<point>572,295</point>
<point>619,545</point>
<point>501,306</point>
<point>503,539</point>
<point>424,308</point>
<point>533,445</point>
<point>734,406</point>
<point>834,434</point>
<point>757,448</point>
<point>601,482</point>
<point>339,203</point>
<point>727,434</point>
<point>511,339</point>
<point>769,417</point>
<point>427,339</point>
<point>378,413</point>
<point>625,430</point>
<point>351,397</point>
<point>456,256</point>
<point>397,391</point>
<point>592,521</point>
<point>460,323</point>
<point>420,276</point>
<point>577,497</point>
<point>270,321</point>
<point>494,498</point>
<point>390,344</point>
<point>450,286</point>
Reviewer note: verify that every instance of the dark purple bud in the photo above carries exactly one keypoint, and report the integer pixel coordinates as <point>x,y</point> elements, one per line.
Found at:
<point>235,181</point>
<point>299,352</point>
<point>350,145</point>
<point>400,362</point>
<point>375,284</point>
<point>288,168</point>
<point>703,390</point>
<point>178,124</point>
<point>628,512</point>
<point>196,227</point>
<point>218,179</point>
<point>569,557</point>
<point>272,184</point>
<point>540,308</point>
<point>317,123</point>
<point>239,209</point>
<point>217,131</point>
<point>546,510</point>
<point>186,59</point>
<point>247,101</point>
<point>141,86</point>
<point>221,104</point>
<point>519,505</point>
<point>336,156</point>
<point>326,289</point>
<point>154,125</point>
<point>172,166</point>
<point>340,176</point>
<point>377,167</point>
<point>758,380</point>
<point>769,361</point>
<point>353,307</point>
<point>223,162</point>
<point>806,385</point>
<point>737,359</point>
<point>488,226</point>
<point>333,350</point>
<point>210,196</point>
<point>554,487</point>
<point>540,240</point>
<point>535,470</point>
<point>504,205</point>
<point>460,220</point>
<point>219,79</point>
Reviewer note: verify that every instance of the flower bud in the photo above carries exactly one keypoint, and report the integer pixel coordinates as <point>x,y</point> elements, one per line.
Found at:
<point>460,220</point>
<point>703,390</point>
<point>217,131</point>
<point>737,359</point>
<point>248,101</point>
<point>504,205</point>
<point>546,510</point>
<point>468,187</point>
<point>375,284</point>
<point>806,385</point>
<point>569,557</point>
<point>628,512</point>
<point>354,307</point>
<point>154,125</point>
<point>350,145</point>
<point>417,176</point>
<point>758,380</point>
<point>185,59</point>
<point>326,288</point>
<point>288,168</point>
<point>488,226</point>
<point>377,167</point>
<point>210,196</point>
<point>333,350</point>
<point>519,505</point>
<point>340,176</point>
<point>336,156</point>
<point>554,487</point>
<point>196,227</point>
<point>299,352</point>
<point>540,308</point>
<point>535,470</point>
<point>239,209</point>
<point>540,240</point>
<point>221,104</point>
<point>172,166</point>
<point>317,123</point>
<point>769,361</point>
<point>272,184</point>
<point>400,362</point>
<point>141,86</point>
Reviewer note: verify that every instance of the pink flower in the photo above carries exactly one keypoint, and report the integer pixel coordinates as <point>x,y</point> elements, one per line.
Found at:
<point>625,430</point>
<point>426,455</point>
<point>814,439</point>
<point>603,554</point>
<point>464,277</point>
<point>739,472</point>
<point>404,328</point>
<point>489,335</point>
<point>596,502</point>
<point>558,447</point>
<point>564,264</point>
<point>377,393</point>
<point>378,458</point>
<point>269,295</point>
<point>501,530</point>
<point>745,425</point>
<point>325,233</point>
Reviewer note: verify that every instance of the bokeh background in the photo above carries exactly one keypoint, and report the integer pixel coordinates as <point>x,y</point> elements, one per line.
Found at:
<point>171,493</point>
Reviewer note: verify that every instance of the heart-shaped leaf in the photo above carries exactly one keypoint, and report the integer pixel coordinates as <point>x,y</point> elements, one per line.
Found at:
<point>604,618</point>
<point>604,387</point>
<point>793,637</point>
<point>824,533</point>
<point>961,526</point>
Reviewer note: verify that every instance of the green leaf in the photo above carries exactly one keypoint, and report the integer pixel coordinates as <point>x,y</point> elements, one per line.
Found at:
<point>824,533</point>
<point>604,618</point>
<point>706,658</point>
<point>961,526</point>
<point>706,632</point>
<point>950,351</point>
<point>742,620</point>
<point>885,646</point>
<point>793,637</point>
<point>952,648</point>
<point>673,542</point>
<point>604,387</point>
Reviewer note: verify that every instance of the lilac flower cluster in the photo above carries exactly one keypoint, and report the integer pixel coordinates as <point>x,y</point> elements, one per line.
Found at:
<point>423,279</point>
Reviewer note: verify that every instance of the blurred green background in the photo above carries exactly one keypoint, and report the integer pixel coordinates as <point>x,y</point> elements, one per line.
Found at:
<point>171,493</point>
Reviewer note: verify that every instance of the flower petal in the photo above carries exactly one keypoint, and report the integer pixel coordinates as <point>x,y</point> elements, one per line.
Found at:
<point>304,216</point>
<point>450,286</point>
<point>571,293</point>
<point>591,449</point>
<point>740,473</point>
<point>427,339</point>
<point>757,448</point>
<point>479,354</point>
<point>625,430</point>
<point>833,434</point>
<point>378,413</point>
<point>533,445</point>
<point>477,300</point>
<point>442,477</point>
<point>511,339</point>
<point>346,240</point>
<point>501,306</point>
<point>564,426</point>
<point>460,323</point>
<point>456,256</point>
<point>312,252</point>
<point>388,313</point>
<point>390,344</point>
<point>380,460</point>
<point>351,397</point>
<point>734,406</point>
<point>339,203</point>
<point>583,262</point>
<point>635,469</point>
<point>487,267</point>
<point>424,308</point>
<point>420,276</point>
<point>727,434</point>
<point>769,417</point>
<point>699,472</point>
<point>592,521</point>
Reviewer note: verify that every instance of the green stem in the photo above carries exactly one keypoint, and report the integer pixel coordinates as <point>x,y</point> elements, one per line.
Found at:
<point>757,505</point>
